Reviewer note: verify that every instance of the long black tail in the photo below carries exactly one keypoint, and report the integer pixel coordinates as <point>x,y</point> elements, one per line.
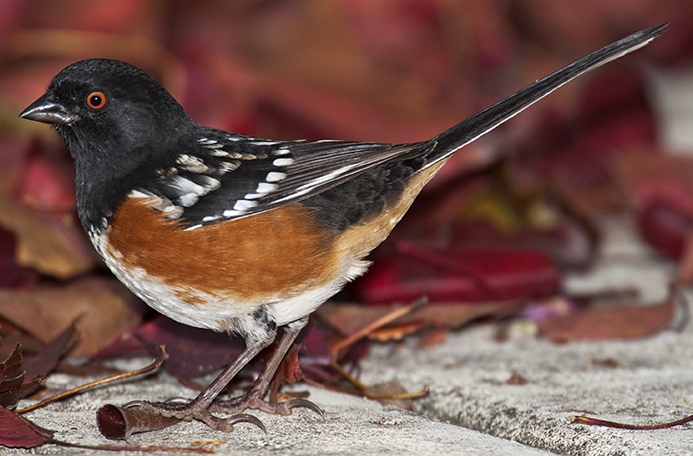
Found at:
<point>446,143</point>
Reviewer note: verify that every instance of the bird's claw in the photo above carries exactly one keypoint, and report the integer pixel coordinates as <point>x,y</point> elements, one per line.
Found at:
<point>235,406</point>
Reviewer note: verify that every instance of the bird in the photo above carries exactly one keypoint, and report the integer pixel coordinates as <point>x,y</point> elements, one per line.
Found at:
<point>239,234</point>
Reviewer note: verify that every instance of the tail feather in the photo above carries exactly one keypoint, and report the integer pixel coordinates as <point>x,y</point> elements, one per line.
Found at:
<point>451,140</point>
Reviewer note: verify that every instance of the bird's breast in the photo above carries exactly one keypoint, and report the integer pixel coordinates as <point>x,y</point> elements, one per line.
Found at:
<point>228,268</point>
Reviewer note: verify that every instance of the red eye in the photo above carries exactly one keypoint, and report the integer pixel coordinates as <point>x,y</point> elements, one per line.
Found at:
<point>96,100</point>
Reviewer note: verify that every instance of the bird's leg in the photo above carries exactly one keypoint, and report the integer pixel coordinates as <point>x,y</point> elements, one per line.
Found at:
<point>204,405</point>
<point>199,408</point>
<point>254,399</point>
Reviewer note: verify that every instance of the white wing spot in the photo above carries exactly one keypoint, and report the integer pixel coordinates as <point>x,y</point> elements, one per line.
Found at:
<point>275,177</point>
<point>232,213</point>
<point>140,194</point>
<point>283,162</point>
<point>185,186</point>
<point>188,199</point>
<point>244,205</point>
<point>263,189</point>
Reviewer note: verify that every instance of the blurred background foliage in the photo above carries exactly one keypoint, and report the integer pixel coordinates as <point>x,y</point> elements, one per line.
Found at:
<point>371,70</point>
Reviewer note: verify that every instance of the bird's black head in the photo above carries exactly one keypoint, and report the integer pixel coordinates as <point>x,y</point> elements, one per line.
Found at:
<point>107,109</point>
<point>119,124</point>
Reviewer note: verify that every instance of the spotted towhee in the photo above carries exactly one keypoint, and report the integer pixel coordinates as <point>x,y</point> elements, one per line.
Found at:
<point>233,233</point>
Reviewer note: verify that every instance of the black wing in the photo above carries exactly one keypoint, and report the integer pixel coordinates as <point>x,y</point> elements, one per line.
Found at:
<point>226,175</point>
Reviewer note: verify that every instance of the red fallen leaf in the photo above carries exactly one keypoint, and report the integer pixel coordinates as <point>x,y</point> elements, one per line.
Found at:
<point>606,323</point>
<point>124,346</point>
<point>651,175</point>
<point>24,371</point>
<point>44,361</point>
<point>12,275</point>
<point>433,338</point>
<point>18,432</point>
<point>615,90</point>
<point>13,150</point>
<point>13,380</point>
<point>661,189</point>
<point>290,368</point>
<point>315,361</point>
<point>47,180</point>
<point>569,243</point>
<point>51,242</point>
<point>191,351</point>
<point>349,318</point>
<point>102,306</point>
<point>620,133</point>
<point>481,213</point>
<point>470,276</point>
<point>12,363</point>
<point>118,423</point>
<point>665,227</point>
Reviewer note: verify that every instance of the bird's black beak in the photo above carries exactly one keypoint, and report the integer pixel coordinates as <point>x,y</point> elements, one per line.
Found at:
<point>48,111</point>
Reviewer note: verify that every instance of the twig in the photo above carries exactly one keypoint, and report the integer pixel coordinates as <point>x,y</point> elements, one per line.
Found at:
<point>380,322</point>
<point>160,357</point>
<point>582,419</point>
<point>408,395</point>
<point>364,332</point>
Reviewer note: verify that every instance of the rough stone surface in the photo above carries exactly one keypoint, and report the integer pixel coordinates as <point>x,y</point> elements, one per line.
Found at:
<point>351,426</point>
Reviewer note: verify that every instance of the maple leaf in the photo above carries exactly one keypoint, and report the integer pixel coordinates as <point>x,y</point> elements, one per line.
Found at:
<point>13,386</point>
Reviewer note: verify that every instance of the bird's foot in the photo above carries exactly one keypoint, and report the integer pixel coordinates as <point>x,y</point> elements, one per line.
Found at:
<point>186,410</point>
<point>142,416</point>
<point>254,401</point>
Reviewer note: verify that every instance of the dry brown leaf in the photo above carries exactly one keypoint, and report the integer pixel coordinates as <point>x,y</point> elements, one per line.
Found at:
<point>433,338</point>
<point>53,245</point>
<point>102,304</point>
<point>387,393</point>
<point>605,323</point>
<point>651,174</point>
<point>349,318</point>
<point>396,332</point>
